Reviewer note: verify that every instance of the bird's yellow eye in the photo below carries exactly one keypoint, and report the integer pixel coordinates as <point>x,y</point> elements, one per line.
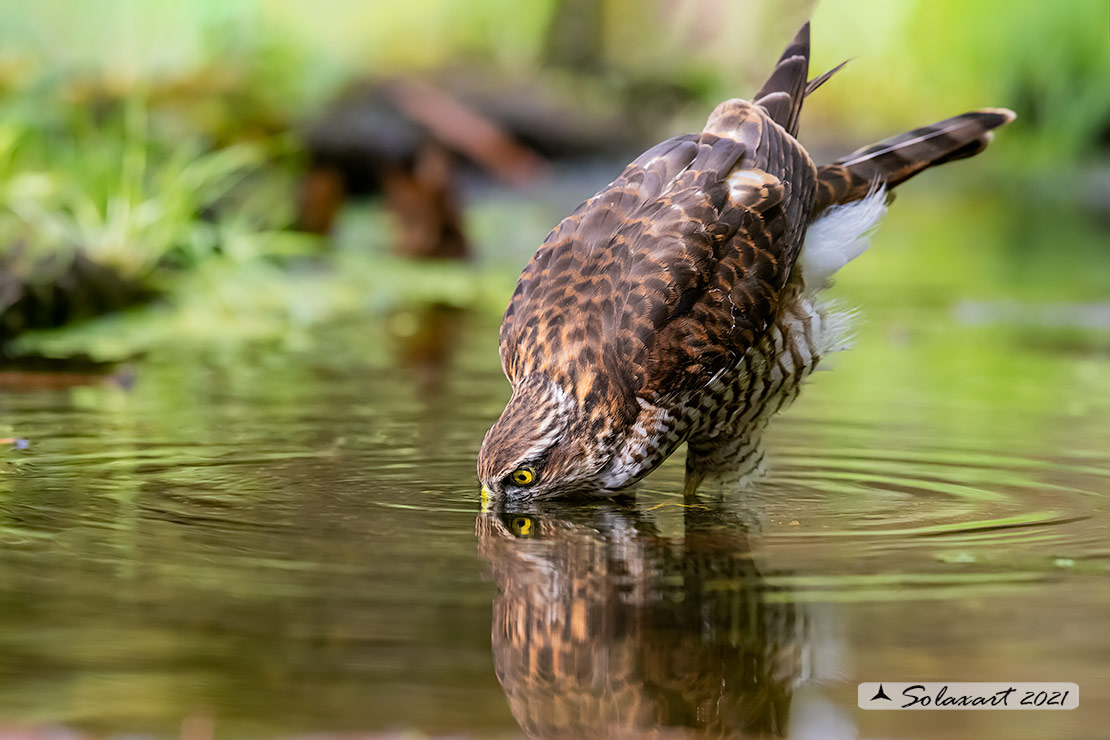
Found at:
<point>522,476</point>
<point>522,526</point>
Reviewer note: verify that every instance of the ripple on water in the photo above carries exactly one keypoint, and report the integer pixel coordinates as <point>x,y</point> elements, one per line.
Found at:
<point>884,523</point>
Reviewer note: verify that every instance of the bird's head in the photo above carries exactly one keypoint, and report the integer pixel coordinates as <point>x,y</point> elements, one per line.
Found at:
<point>541,447</point>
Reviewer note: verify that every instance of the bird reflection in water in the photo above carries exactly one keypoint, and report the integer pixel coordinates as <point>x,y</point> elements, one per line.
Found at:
<point>605,627</point>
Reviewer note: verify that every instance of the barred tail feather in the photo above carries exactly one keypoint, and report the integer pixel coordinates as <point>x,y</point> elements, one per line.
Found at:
<point>895,160</point>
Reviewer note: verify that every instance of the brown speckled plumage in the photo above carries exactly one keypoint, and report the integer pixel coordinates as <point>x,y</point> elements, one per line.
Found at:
<point>667,308</point>
<point>603,627</point>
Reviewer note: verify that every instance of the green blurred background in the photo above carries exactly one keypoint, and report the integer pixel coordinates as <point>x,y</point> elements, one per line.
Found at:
<point>156,156</point>
<point>271,514</point>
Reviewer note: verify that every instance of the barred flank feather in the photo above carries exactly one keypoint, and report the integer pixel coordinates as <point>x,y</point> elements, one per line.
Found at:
<point>893,161</point>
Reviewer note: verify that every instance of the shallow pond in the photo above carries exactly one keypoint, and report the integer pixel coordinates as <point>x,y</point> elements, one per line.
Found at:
<point>286,542</point>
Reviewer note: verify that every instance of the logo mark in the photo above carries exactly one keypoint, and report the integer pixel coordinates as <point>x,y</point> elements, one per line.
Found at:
<point>880,694</point>
<point>965,695</point>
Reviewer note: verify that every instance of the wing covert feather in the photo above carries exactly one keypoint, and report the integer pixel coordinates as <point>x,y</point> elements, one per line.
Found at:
<point>670,273</point>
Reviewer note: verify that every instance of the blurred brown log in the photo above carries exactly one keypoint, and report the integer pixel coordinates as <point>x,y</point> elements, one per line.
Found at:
<point>406,139</point>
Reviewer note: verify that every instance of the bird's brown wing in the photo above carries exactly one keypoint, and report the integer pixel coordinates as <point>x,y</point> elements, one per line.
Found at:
<point>576,267</point>
<point>666,276</point>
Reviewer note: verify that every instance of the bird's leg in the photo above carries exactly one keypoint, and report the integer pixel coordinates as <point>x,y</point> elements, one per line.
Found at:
<point>728,461</point>
<point>625,495</point>
<point>693,480</point>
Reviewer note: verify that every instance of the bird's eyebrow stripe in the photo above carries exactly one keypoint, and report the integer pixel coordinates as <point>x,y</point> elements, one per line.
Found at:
<point>550,425</point>
<point>551,431</point>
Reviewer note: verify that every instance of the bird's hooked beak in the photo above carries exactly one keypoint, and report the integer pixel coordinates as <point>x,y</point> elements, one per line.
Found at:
<point>487,497</point>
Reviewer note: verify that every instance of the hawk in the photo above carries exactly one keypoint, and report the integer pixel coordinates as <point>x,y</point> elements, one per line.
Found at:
<point>682,303</point>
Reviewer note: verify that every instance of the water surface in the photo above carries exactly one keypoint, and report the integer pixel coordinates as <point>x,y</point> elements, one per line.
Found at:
<point>289,541</point>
